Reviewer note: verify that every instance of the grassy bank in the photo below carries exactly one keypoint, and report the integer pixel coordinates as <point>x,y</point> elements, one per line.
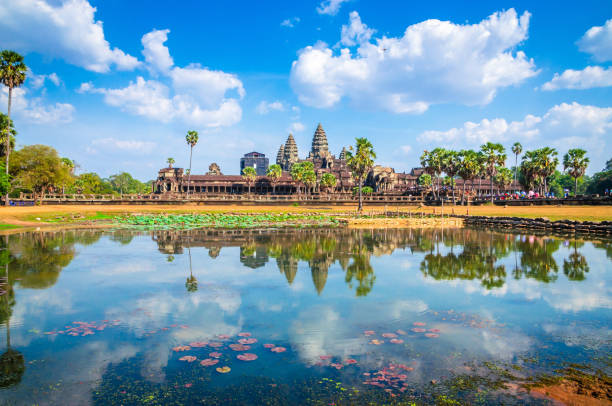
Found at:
<point>86,215</point>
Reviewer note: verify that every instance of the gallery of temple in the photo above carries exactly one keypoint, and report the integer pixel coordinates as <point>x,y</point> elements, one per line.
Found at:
<point>383,180</point>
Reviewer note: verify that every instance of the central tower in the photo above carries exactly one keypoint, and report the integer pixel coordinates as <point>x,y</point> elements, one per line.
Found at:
<point>320,149</point>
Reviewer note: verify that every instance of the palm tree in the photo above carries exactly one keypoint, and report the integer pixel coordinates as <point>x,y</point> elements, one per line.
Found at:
<point>360,163</point>
<point>170,161</point>
<point>274,173</point>
<point>451,163</point>
<point>249,175</point>
<point>191,284</point>
<point>575,163</point>
<point>547,163</point>
<point>12,75</point>
<point>503,178</point>
<point>192,140</point>
<point>468,168</point>
<point>434,162</point>
<point>4,123</point>
<point>517,148</point>
<point>494,157</point>
<point>309,177</point>
<point>297,170</point>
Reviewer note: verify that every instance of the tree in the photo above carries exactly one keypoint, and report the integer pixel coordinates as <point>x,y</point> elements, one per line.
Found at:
<point>274,173</point>
<point>575,163</point>
<point>170,161</point>
<point>121,182</point>
<point>302,172</point>
<point>12,75</point>
<point>433,162</point>
<point>91,183</point>
<point>38,168</point>
<point>517,148</point>
<point>469,168</point>
<point>424,180</point>
<point>309,178</point>
<point>547,163</point>
<point>328,181</point>
<point>5,185</point>
<point>503,178</point>
<point>452,164</point>
<point>360,163</point>
<point>5,124</point>
<point>249,175</point>
<point>494,157</point>
<point>192,140</point>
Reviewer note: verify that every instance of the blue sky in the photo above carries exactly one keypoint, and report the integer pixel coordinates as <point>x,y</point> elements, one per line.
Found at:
<point>115,85</point>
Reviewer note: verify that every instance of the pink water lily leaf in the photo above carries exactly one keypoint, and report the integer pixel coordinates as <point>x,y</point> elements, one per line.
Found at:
<point>389,335</point>
<point>198,344</point>
<point>278,349</point>
<point>223,336</point>
<point>397,341</point>
<point>369,332</point>
<point>209,362</point>
<point>247,341</point>
<point>179,348</point>
<point>215,344</point>
<point>432,335</point>
<point>239,347</point>
<point>376,342</point>
<point>246,357</point>
<point>268,345</point>
<point>244,334</point>
<point>215,354</point>
<point>418,323</point>
<point>418,330</point>
<point>350,361</point>
<point>188,358</point>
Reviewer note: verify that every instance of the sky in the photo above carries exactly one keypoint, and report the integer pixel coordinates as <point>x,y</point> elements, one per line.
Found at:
<point>116,85</point>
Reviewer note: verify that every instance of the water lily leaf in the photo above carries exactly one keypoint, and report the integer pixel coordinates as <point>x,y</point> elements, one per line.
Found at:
<point>223,370</point>
<point>246,357</point>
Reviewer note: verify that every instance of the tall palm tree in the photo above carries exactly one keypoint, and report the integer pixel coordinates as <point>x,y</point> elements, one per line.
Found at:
<point>517,148</point>
<point>494,157</point>
<point>451,164</point>
<point>503,178</point>
<point>547,163</point>
<point>192,140</point>
<point>328,181</point>
<point>575,163</point>
<point>170,161</point>
<point>12,75</point>
<point>274,173</point>
<point>360,162</point>
<point>468,168</point>
<point>249,175</point>
<point>434,162</point>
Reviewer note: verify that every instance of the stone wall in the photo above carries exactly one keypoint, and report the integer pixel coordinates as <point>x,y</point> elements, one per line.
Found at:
<point>543,224</point>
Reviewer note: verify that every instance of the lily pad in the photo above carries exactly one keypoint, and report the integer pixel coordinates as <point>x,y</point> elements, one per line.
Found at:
<point>223,370</point>
<point>188,358</point>
<point>215,354</point>
<point>278,349</point>
<point>209,362</point>
<point>245,341</point>
<point>246,357</point>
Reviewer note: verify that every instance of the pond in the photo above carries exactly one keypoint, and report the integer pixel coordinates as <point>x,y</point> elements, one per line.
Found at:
<point>305,316</point>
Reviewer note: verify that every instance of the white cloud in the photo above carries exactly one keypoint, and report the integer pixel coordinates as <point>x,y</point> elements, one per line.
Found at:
<point>290,22</point>
<point>433,62</point>
<point>125,145</point>
<point>35,110</point>
<point>588,78</point>
<point>155,52</point>
<point>356,32</point>
<point>197,95</point>
<point>330,7</point>
<point>563,126</point>
<point>265,107</point>
<point>67,30</point>
<point>296,127</point>
<point>597,41</point>
<point>37,81</point>
<point>406,149</point>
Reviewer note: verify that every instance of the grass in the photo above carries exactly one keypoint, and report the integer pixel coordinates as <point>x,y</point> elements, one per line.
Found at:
<point>90,215</point>
<point>8,226</point>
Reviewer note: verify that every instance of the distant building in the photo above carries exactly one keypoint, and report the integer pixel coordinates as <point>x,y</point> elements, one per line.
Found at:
<point>255,160</point>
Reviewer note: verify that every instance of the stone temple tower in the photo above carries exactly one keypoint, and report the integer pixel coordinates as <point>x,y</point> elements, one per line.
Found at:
<point>343,153</point>
<point>290,153</point>
<point>279,156</point>
<point>320,149</point>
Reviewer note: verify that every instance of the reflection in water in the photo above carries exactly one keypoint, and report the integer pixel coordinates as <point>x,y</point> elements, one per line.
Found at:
<point>450,254</point>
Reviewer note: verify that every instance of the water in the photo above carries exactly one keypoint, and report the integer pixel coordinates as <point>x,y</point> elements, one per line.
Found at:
<point>95,315</point>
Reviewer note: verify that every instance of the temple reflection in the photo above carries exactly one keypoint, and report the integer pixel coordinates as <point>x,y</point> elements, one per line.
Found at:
<point>443,254</point>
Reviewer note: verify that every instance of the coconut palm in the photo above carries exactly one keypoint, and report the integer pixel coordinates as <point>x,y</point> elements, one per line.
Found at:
<point>494,157</point>
<point>575,163</point>
<point>517,148</point>
<point>434,163</point>
<point>360,163</point>
<point>274,173</point>
<point>468,168</point>
<point>249,175</point>
<point>309,178</point>
<point>12,75</point>
<point>547,163</point>
<point>328,181</point>
<point>171,162</point>
<point>4,124</point>
<point>192,140</point>
<point>503,178</point>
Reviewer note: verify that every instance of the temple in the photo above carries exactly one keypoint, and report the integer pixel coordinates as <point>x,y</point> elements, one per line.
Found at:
<point>384,181</point>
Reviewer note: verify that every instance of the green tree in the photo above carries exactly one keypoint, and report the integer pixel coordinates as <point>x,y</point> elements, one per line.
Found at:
<point>192,140</point>
<point>249,175</point>
<point>38,168</point>
<point>424,180</point>
<point>12,74</point>
<point>503,178</point>
<point>91,183</point>
<point>5,185</point>
<point>309,178</point>
<point>494,157</point>
<point>274,173</point>
<point>547,164</point>
<point>452,164</point>
<point>469,168</point>
<point>328,181</point>
<point>517,148</point>
<point>170,162</point>
<point>434,162</point>
<point>5,124</point>
<point>121,182</point>
<point>301,171</point>
<point>360,162</point>
<point>575,163</point>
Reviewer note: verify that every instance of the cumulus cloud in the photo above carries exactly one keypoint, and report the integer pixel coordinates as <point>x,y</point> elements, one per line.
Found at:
<point>114,144</point>
<point>67,30</point>
<point>37,81</point>
<point>194,94</point>
<point>35,110</point>
<point>433,62</point>
<point>562,126</point>
<point>265,107</point>
<point>156,54</point>
<point>330,7</point>
<point>597,41</point>
<point>290,22</point>
<point>296,127</point>
<point>588,78</point>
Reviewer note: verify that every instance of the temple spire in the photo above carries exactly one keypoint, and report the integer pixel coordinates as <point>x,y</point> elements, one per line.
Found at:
<point>320,148</point>
<point>290,153</point>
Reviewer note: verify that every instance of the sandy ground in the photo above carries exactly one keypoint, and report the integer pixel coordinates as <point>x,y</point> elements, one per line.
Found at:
<point>39,215</point>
